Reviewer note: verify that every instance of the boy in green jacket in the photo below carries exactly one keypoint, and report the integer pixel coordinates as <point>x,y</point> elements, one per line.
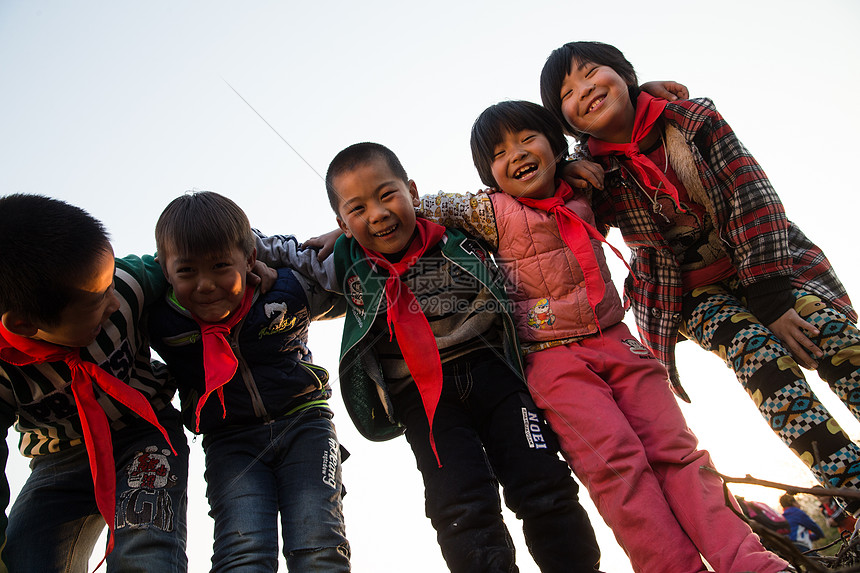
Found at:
<point>429,348</point>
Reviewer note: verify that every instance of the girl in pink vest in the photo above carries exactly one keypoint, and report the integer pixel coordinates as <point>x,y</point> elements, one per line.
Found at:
<point>604,394</point>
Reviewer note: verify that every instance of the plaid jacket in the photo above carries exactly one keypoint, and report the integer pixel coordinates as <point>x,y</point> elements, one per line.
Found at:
<point>764,246</point>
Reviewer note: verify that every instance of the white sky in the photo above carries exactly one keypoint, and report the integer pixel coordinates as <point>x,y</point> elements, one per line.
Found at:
<point>119,107</point>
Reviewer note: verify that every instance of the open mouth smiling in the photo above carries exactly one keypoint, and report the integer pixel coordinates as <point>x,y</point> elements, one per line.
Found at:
<point>595,104</point>
<point>525,170</point>
<point>386,232</point>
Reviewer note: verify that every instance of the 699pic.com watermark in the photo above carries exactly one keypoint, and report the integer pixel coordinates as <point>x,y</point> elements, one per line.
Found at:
<point>439,287</point>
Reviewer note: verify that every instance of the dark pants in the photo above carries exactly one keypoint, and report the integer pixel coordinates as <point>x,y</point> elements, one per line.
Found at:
<point>254,473</point>
<point>488,431</point>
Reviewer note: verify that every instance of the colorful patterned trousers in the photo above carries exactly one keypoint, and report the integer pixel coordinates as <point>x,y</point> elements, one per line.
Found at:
<point>716,317</point>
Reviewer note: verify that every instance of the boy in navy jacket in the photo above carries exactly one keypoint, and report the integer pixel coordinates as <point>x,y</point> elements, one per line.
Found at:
<point>248,385</point>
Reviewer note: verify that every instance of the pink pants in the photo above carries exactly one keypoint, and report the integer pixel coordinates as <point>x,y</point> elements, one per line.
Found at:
<point>626,439</point>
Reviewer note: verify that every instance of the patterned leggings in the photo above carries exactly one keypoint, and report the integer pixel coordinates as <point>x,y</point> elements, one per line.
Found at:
<point>716,317</point>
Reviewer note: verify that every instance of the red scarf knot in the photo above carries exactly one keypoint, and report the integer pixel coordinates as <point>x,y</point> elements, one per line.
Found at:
<point>577,234</point>
<point>408,324</point>
<point>648,111</point>
<point>219,361</point>
<point>22,351</point>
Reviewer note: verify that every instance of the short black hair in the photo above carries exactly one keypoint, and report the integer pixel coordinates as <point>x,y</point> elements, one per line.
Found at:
<point>355,156</point>
<point>201,223</point>
<point>47,247</point>
<point>560,63</point>
<point>511,116</point>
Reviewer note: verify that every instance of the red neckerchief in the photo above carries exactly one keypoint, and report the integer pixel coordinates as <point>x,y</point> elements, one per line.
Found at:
<point>577,235</point>
<point>408,323</point>
<point>648,111</point>
<point>22,351</point>
<point>219,361</point>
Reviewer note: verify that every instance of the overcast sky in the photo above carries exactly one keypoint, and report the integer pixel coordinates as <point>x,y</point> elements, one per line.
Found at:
<point>120,106</point>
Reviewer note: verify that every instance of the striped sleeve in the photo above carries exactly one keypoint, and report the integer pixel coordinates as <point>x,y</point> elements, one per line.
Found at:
<point>146,273</point>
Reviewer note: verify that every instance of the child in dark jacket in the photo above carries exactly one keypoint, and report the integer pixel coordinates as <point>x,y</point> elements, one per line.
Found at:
<point>268,428</point>
<point>429,348</point>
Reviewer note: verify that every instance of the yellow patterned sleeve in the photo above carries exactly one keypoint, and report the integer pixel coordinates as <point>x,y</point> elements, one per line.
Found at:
<point>469,212</point>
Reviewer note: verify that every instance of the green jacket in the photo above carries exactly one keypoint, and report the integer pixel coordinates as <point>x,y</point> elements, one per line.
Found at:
<point>363,386</point>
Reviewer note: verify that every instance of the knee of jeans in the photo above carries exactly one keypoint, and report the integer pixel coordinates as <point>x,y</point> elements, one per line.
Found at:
<point>148,548</point>
<point>319,558</point>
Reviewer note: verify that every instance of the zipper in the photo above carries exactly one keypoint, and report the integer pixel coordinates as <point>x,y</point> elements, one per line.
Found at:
<point>248,377</point>
<point>507,318</point>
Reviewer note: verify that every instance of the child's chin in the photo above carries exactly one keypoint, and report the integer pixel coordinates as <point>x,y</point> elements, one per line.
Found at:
<point>212,316</point>
<point>391,247</point>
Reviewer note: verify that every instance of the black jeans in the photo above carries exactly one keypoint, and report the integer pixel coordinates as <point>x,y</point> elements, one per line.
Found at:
<point>489,431</point>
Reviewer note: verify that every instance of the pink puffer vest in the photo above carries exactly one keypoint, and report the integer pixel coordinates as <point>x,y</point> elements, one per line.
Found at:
<point>549,296</point>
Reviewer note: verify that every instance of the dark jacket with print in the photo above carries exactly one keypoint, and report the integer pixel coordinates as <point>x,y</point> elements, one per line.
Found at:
<point>363,386</point>
<point>275,374</point>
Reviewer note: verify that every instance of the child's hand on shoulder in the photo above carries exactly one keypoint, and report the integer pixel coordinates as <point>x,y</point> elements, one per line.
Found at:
<point>325,243</point>
<point>667,90</point>
<point>582,173</point>
<point>792,331</point>
<point>263,275</point>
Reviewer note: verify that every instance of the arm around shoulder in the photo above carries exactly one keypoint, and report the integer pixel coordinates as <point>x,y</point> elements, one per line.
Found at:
<point>285,251</point>
<point>469,212</point>
<point>323,304</point>
<point>146,272</point>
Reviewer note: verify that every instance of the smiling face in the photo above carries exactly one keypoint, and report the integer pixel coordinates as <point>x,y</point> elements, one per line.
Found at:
<point>595,100</point>
<point>524,165</point>
<point>93,301</point>
<point>210,286</point>
<point>376,207</point>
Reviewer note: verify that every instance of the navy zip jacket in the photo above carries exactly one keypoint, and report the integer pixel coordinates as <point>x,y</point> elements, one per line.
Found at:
<point>275,376</point>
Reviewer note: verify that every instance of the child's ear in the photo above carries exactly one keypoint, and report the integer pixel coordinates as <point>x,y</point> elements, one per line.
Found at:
<point>413,191</point>
<point>252,259</point>
<point>344,228</point>
<point>15,323</point>
<point>163,269</point>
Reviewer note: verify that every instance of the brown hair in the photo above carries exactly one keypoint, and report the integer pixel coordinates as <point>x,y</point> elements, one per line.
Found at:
<point>201,223</point>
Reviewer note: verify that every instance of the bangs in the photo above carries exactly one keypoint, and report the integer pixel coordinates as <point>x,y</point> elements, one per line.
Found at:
<point>510,117</point>
<point>202,224</point>
<point>194,238</point>
<point>562,61</point>
<point>492,126</point>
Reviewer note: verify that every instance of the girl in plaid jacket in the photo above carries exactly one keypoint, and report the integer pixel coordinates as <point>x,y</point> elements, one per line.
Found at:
<point>714,257</point>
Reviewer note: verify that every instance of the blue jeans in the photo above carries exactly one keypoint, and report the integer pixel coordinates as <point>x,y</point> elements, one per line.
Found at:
<point>291,466</point>
<point>54,523</point>
<point>489,431</point>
